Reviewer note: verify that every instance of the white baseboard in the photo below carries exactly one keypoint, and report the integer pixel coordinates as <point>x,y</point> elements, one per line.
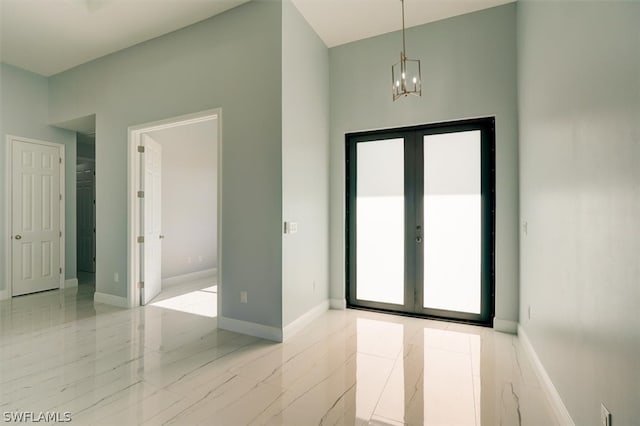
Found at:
<point>550,391</point>
<point>110,299</point>
<point>340,304</point>
<point>505,326</point>
<point>4,294</point>
<point>180,279</point>
<point>303,320</point>
<point>250,328</point>
<point>72,282</point>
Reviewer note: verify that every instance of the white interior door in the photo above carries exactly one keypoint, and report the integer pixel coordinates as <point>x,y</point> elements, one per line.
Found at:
<point>151,219</point>
<point>35,217</point>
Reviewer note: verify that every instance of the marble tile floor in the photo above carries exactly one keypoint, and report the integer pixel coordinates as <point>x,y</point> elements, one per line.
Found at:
<point>60,352</point>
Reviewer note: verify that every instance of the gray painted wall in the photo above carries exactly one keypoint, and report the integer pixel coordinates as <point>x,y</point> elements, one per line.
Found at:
<point>23,103</point>
<point>305,165</point>
<point>189,197</point>
<point>468,70</point>
<point>579,109</point>
<point>232,61</point>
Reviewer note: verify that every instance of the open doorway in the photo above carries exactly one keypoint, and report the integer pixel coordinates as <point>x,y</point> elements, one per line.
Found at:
<point>86,209</point>
<point>83,253</point>
<point>174,205</point>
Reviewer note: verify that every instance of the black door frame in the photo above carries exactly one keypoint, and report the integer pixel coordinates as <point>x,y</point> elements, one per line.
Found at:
<point>413,147</point>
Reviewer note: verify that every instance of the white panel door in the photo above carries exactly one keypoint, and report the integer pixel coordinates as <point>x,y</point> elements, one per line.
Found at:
<point>151,219</point>
<point>35,217</point>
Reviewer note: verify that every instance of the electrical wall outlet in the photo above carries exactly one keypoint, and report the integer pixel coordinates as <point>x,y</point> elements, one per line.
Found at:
<point>243,297</point>
<point>605,416</point>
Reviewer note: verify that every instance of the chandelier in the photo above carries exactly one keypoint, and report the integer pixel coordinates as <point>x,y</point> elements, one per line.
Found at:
<point>405,75</point>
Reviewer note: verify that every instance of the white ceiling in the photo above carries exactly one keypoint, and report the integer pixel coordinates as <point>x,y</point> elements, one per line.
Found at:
<point>343,21</point>
<point>51,36</point>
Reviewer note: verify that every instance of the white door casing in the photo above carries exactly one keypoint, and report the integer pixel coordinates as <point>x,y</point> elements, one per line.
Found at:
<point>135,261</point>
<point>151,219</point>
<point>36,219</point>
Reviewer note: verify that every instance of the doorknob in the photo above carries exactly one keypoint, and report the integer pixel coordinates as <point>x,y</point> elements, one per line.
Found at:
<point>418,239</point>
<point>18,237</point>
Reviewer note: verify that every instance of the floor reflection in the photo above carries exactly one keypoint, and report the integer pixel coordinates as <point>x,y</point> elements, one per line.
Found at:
<point>35,311</point>
<point>380,349</point>
<point>449,358</point>
<point>417,376</point>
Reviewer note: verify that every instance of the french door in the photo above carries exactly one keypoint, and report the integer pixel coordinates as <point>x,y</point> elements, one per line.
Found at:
<point>420,220</point>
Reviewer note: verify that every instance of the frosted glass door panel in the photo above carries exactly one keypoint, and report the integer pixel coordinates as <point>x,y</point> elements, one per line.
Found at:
<point>452,221</point>
<point>380,221</point>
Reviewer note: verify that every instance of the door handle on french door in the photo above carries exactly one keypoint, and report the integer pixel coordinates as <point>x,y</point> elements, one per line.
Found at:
<point>18,237</point>
<point>419,236</point>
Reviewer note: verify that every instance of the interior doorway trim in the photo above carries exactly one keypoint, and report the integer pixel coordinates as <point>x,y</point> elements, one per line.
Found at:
<point>6,294</point>
<point>133,181</point>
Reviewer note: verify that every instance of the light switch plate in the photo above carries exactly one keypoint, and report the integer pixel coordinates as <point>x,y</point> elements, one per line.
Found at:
<point>290,227</point>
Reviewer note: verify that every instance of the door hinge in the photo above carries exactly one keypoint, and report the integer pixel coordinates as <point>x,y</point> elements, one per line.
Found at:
<point>60,197</point>
<point>140,194</point>
<point>60,160</point>
<point>140,284</point>
<point>141,149</point>
<point>60,270</point>
<point>141,240</point>
<point>60,234</point>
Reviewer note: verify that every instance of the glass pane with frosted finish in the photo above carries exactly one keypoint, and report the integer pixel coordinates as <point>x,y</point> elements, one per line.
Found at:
<point>380,221</point>
<point>452,221</point>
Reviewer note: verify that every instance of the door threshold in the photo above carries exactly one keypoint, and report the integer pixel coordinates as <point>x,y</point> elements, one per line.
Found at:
<point>487,324</point>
